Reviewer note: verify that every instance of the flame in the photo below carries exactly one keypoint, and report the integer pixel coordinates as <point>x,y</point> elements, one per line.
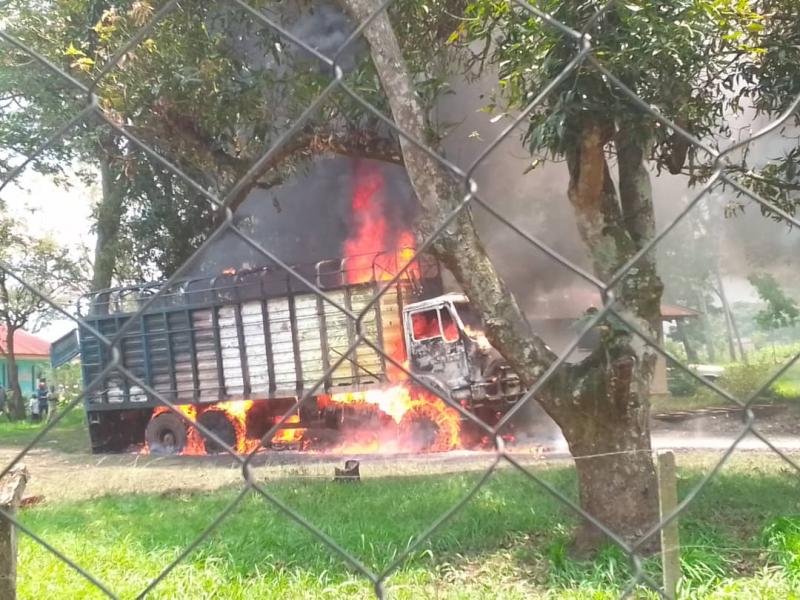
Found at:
<point>407,409</point>
<point>235,410</point>
<point>289,435</point>
<point>373,250</point>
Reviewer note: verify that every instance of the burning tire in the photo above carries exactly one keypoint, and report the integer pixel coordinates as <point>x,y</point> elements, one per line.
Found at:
<point>220,425</point>
<point>165,434</point>
<point>428,427</point>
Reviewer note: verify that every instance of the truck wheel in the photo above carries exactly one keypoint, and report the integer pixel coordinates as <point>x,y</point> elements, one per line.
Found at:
<point>220,425</point>
<point>429,428</point>
<point>165,434</point>
<point>419,433</point>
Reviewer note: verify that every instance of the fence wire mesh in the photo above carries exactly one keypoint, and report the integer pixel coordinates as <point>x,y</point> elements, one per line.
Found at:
<point>93,115</point>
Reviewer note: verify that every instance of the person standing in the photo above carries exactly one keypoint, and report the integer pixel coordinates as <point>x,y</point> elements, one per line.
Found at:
<point>52,399</point>
<point>41,395</point>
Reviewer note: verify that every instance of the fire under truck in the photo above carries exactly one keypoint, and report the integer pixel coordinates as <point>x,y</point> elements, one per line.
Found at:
<point>262,337</point>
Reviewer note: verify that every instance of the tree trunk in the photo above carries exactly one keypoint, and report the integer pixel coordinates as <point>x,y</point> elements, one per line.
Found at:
<point>691,354</point>
<point>618,487</point>
<point>615,458</point>
<point>109,213</point>
<point>730,322</point>
<point>628,479</point>
<point>705,324</point>
<point>17,404</point>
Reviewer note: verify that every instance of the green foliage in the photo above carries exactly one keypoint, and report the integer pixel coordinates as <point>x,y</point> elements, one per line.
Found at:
<point>44,266</point>
<point>676,56</point>
<point>744,379</point>
<point>681,384</point>
<point>781,310</point>
<point>782,536</point>
<point>70,377</point>
<point>210,89</point>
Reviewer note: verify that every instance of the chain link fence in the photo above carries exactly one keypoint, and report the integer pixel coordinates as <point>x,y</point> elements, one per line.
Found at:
<point>584,56</point>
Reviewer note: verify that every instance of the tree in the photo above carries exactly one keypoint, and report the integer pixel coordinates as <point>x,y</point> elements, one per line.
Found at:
<point>44,266</point>
<point>781,310</point>
<point>678,59</point>
<point>159,92</point>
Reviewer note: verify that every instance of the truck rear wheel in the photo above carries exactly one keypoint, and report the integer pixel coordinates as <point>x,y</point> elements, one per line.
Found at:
<point>220,425</point>
<point>165,434</point>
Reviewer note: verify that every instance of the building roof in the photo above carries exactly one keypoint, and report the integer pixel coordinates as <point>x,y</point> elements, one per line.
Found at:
<point>26,344</point>
<point>572,302</point>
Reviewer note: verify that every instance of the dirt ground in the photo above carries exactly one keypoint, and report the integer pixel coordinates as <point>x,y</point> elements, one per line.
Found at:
<point>61,476</point>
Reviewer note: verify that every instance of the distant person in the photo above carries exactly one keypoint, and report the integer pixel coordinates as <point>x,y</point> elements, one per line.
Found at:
<point>33,407</point>
<point>41,395</point>
<point>52,401</point>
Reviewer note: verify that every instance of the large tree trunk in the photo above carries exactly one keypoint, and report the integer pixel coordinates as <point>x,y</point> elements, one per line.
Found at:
<point>109,213</point>
<point>17,404</point>
<point>600,405</point>
<point>616,478</point>
<point>615,458</point>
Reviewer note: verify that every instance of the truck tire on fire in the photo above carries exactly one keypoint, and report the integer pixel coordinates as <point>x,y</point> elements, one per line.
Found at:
<point>423,429</point>
<point>220,425</point>
<point>166,434</point>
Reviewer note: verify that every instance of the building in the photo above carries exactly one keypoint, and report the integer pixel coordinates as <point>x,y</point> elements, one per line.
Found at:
<point>554,315</point>
<point>33,360</point>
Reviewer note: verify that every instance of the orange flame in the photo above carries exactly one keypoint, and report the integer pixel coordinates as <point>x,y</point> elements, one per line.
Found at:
<point>289,435</point>
<point>235,410</point>
<point>373,251</point>
<point>408,410</point>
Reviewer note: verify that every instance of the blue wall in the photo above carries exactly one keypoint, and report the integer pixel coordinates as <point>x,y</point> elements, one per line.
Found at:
<point>29,373</point>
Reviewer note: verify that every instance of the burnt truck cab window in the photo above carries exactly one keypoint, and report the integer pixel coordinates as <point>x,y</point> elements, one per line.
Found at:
<point>434,323</point>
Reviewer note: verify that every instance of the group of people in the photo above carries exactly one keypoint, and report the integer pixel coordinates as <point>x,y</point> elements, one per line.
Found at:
<point>40,404</point>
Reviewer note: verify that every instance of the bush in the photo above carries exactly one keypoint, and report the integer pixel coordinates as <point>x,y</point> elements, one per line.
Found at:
<point>741,380</point>
<point>681,384</point>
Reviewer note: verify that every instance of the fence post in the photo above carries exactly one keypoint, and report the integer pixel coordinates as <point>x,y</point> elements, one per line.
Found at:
<point>667,502</point>
<point>11,488</point>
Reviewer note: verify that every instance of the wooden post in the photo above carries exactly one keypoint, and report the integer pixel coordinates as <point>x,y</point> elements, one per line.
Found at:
<point>11,488</point>
<point>667,502</point>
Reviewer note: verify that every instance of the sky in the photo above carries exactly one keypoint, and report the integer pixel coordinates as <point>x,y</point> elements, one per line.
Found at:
<point>47,209</point>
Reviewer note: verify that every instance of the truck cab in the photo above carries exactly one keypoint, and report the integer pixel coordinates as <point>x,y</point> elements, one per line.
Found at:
<point>448,350</point>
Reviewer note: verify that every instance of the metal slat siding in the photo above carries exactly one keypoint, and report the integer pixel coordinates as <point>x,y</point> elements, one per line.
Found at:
<point>280,330</point>
<point>206,355</point>
<point>256,349</point>
<point>368,361</point>
<point>336,330</point>
<point>160,367</point>
<point>182,356</point>
<point>309,340</point>
<point>231,357</point>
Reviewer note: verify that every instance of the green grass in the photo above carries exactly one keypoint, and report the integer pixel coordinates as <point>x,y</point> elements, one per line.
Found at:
<point>69,435</point>
<point>741,539</point>
<point>788,386</point>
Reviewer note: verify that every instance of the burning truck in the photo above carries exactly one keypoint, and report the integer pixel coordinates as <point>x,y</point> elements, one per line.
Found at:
<point>234,352</point>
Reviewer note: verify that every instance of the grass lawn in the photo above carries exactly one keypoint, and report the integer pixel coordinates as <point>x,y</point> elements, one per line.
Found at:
<point>741,539</point>
<point>69,435</point>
